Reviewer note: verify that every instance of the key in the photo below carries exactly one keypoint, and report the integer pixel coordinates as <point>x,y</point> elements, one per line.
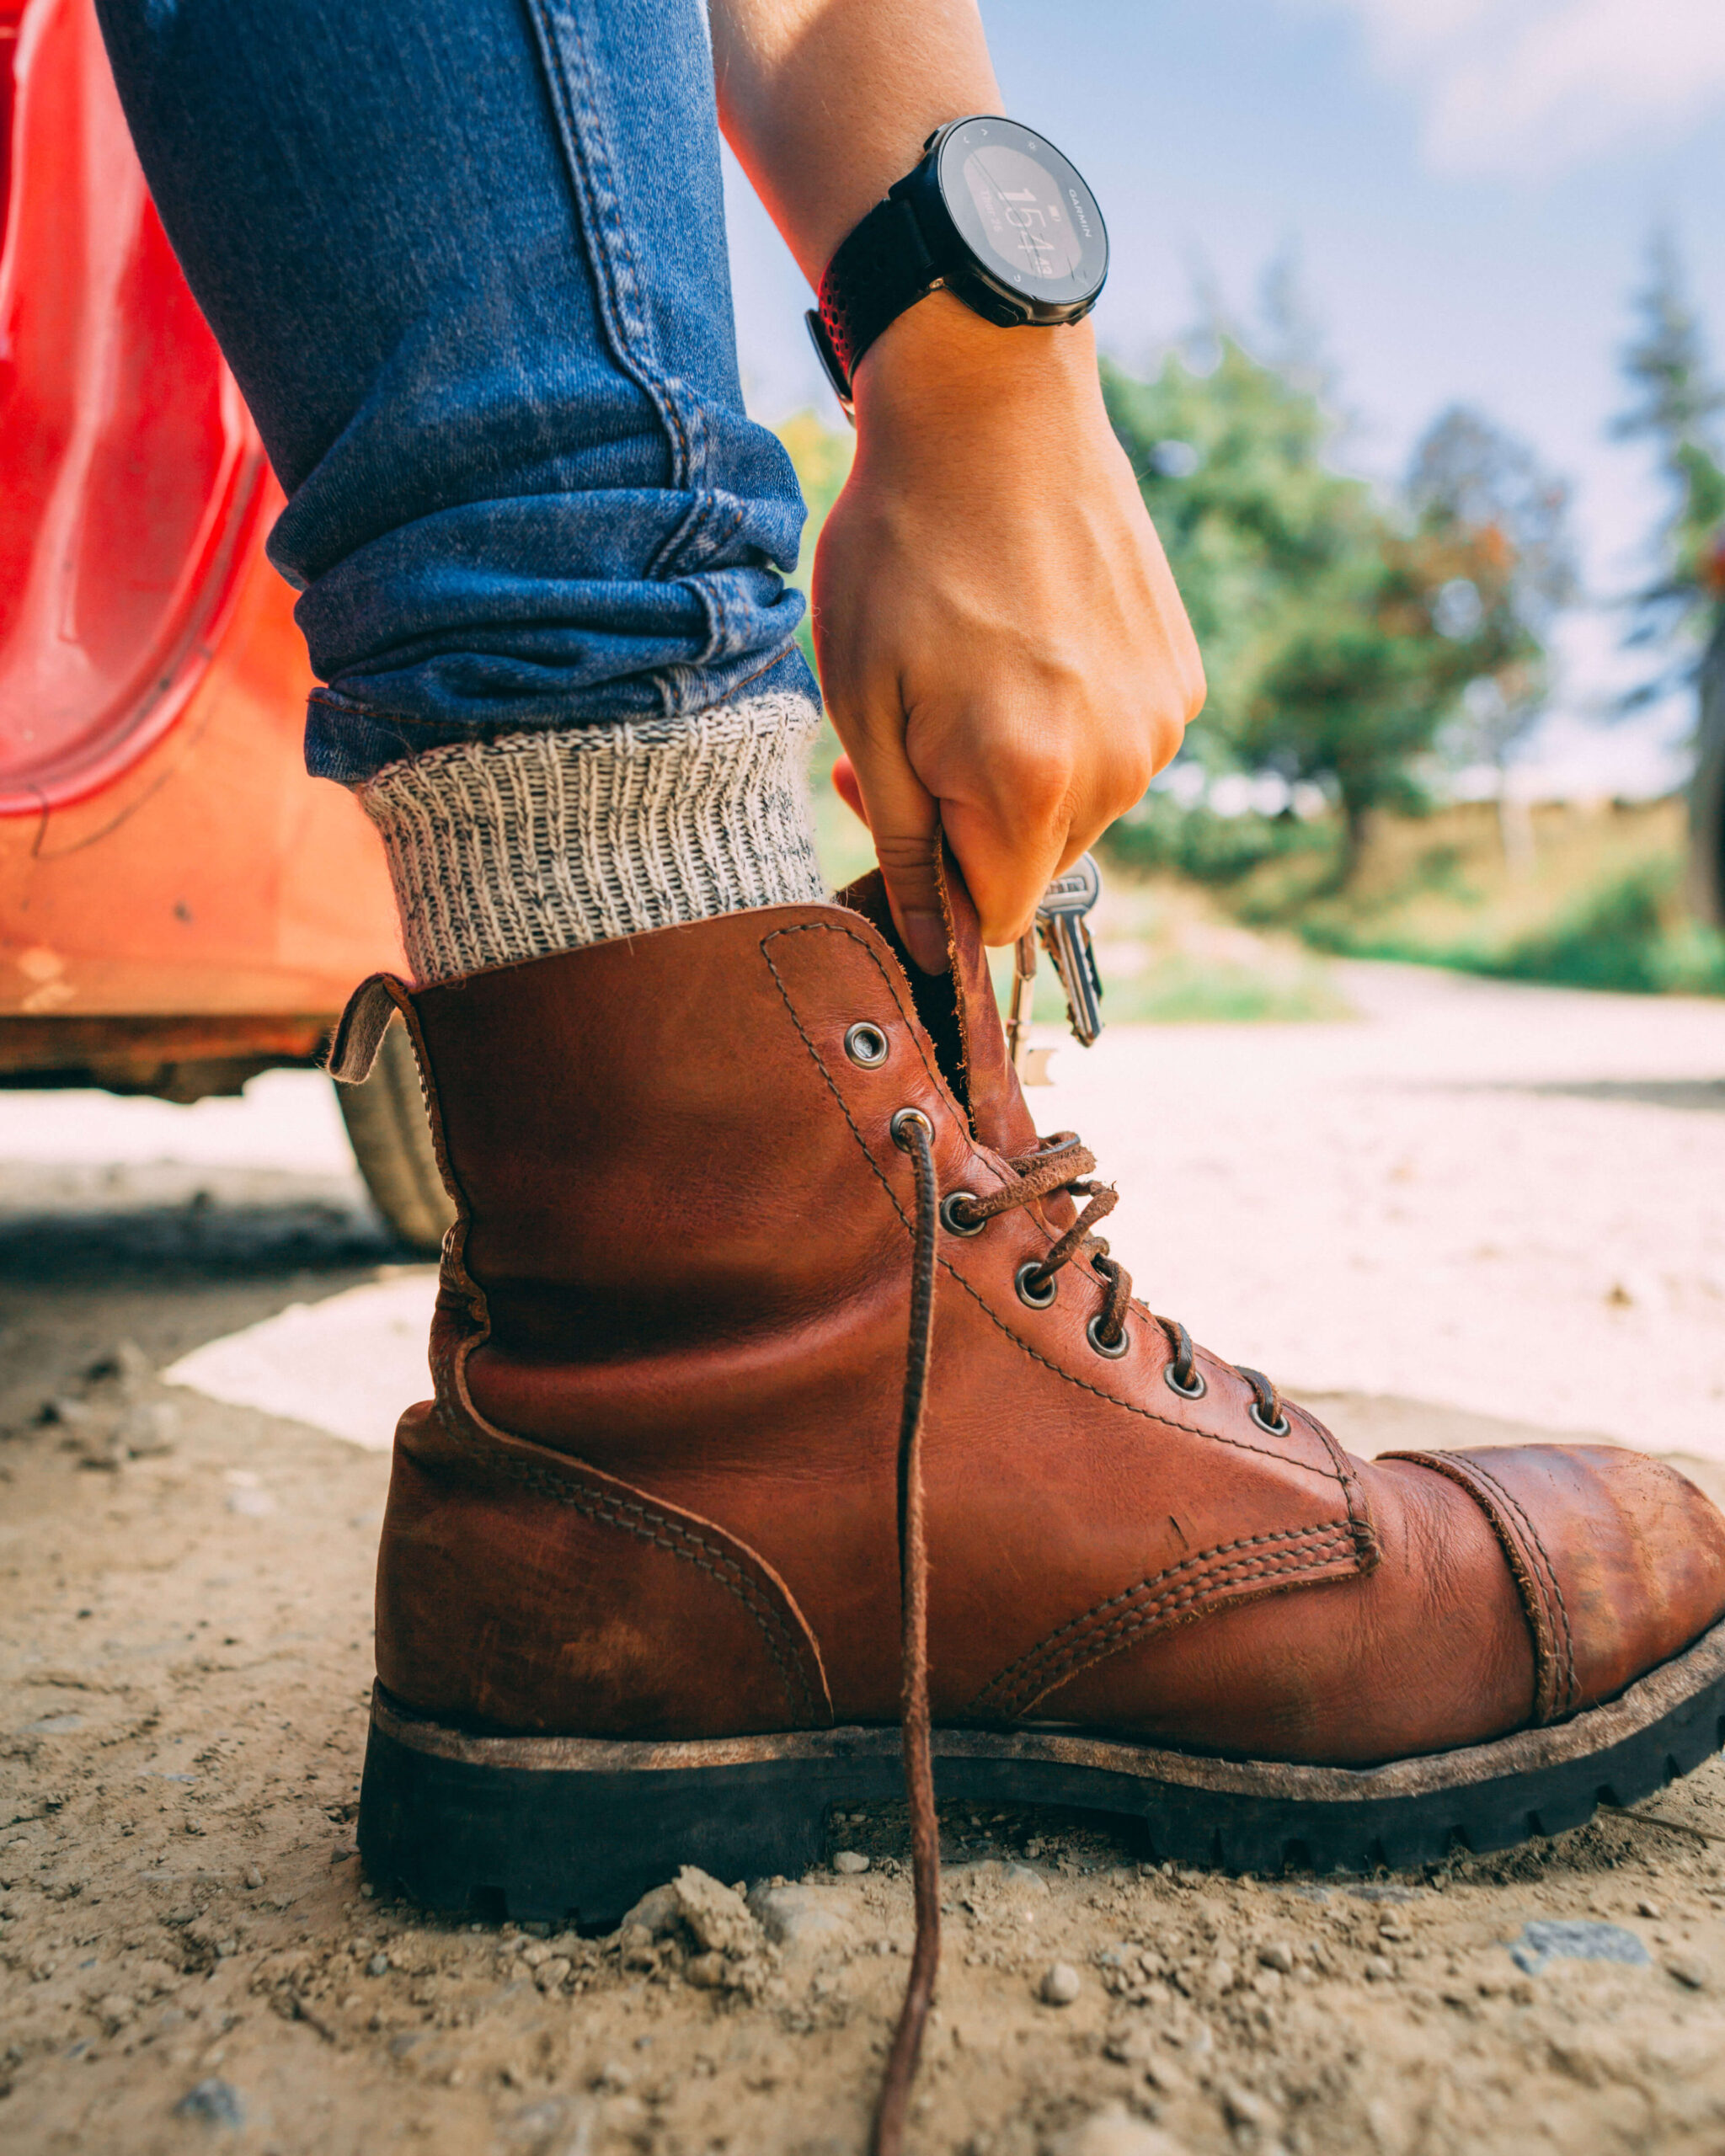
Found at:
<point>1061,926</point>
<point>1066,936</point>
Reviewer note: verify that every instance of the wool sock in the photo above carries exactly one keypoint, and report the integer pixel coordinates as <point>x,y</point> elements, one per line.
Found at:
<point>538,842</point>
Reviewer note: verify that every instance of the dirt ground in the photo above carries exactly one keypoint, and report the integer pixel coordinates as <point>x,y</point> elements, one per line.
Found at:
<point>189,1957</point>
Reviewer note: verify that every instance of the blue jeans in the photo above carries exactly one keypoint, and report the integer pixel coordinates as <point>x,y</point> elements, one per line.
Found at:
<point>466,258</point>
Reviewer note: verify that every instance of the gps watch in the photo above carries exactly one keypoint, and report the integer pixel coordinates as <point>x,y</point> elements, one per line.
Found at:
<point>994,215</point>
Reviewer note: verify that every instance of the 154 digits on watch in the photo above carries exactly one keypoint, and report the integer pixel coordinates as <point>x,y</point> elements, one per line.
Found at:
<point>993,214</point>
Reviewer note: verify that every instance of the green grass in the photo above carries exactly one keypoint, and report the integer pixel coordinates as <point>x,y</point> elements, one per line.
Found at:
<point>1628,936</point>
<point>1179,990</point>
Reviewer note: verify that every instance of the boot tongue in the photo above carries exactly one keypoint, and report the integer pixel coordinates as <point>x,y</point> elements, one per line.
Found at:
<point>958,1010</point>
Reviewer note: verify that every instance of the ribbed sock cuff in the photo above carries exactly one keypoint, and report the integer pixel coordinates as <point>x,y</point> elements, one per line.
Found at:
<point>540,842</point>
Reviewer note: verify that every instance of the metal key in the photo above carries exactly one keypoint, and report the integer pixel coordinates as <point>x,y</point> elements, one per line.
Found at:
<point>1064,934</point>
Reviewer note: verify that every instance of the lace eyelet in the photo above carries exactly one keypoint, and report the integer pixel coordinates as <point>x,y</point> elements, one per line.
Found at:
<point>866,1045</point>
<point>902,1118</point>
<point>949,1213</point>
<point>1195,1390</point>
<point>1034,1298</point>
<point>1114,1350</point>
<point>1278,1428</point>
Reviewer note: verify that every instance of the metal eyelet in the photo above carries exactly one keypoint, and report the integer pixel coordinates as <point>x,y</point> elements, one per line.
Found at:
<point>1035,1299</point>
<point>866,1045</point>
<point>1114,1350</point>
<point>902,1118</point>
<point>949,1213</point>
<point>1195,1390</point>
<point>1278,1428</point>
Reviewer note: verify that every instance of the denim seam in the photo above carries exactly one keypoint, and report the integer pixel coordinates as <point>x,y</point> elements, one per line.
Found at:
<point>616,276</point>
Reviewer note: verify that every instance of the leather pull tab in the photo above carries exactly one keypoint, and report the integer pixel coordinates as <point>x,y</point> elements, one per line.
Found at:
<point>363,1025</point>
<point>998,1114</point>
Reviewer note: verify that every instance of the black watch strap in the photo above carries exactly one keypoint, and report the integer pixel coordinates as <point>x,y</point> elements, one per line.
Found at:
<point>881,268</point>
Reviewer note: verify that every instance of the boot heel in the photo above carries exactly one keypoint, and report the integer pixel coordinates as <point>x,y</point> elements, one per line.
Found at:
<point>561,1830</point>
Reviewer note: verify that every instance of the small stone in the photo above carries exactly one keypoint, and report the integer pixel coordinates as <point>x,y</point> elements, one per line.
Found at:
<point>148,1430</point>
<point>537,1955</point>
<point>114,2010</point>
<point>803,1919</point>
<point>1032,1849</point>
<point>1649,1909</point>
<point>1220,1976</point>
<point>254,1878</point>
<point>716,1916</point>
<point>1164,2076</point>
<point>706,1972</point>
<point>1113,2131</point>
<point>613,2076</point>
<point>217,2103</point>
<point>553,1975</point>
<point>1377,1970</point>
<point>1127,2046</point>
<point>378,1965</point>
<point>1688,1972</point>
<point>1061,1984</point>
<point>850,1862</point>
<point>1575,1939</point>
<point>654,1913</point>
<point>1240,2108</point>
<point>1278,1955</point>
<point>635,1947</point>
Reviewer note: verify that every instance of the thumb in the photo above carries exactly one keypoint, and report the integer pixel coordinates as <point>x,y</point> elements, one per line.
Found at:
<point>904,818</point>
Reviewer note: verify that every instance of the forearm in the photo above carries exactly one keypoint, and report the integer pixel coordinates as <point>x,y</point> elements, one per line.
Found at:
<point>826,102</point>
<point>1002,649</point>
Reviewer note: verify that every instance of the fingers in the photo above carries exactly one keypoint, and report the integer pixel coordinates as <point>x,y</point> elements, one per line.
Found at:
<point>901,813</point>
<point>1006,871</point>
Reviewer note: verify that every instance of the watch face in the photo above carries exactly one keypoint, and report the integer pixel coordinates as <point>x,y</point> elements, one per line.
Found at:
<point>1024,212</point>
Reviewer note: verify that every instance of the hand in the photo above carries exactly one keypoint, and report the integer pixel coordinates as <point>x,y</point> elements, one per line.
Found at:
<point>1000,644</point>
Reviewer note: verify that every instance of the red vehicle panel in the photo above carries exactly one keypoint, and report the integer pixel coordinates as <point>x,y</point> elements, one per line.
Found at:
<point>169,874</point>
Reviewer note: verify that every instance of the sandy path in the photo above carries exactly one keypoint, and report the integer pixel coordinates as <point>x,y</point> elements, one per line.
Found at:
<point>1507,1199</point>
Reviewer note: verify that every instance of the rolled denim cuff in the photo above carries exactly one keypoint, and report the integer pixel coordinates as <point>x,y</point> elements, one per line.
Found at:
<point>533,843</point>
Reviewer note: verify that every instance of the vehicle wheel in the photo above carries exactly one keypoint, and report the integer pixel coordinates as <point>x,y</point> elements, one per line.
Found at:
<point>391,1140</point>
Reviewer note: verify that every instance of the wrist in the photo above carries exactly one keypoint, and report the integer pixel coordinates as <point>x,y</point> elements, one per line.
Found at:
<point>939,358</point>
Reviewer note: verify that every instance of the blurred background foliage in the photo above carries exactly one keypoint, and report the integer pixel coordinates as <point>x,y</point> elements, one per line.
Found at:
<point>1365,646</point>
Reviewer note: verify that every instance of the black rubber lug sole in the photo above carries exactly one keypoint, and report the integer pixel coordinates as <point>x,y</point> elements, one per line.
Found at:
<point>574,1831</point>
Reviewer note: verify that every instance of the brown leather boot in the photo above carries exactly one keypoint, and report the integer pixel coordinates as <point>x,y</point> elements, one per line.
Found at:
<point>638,1592</point>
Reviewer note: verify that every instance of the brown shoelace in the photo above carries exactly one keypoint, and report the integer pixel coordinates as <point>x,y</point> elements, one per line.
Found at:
<point>1059,1163</point>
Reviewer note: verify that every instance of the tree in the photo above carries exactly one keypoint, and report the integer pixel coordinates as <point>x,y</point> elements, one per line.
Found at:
<point>1470,478</point>
<point>1338,633</point>
<point>1675,404</point>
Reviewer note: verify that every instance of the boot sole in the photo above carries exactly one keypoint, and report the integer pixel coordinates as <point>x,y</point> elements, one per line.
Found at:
<point>574,1830</point>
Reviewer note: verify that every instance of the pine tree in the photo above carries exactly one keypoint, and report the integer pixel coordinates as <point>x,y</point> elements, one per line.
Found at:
<point>1675,406</point>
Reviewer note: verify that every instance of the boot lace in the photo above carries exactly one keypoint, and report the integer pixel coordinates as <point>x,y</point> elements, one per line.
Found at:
<point>1059,1163</point>
<point>1062,1163</point>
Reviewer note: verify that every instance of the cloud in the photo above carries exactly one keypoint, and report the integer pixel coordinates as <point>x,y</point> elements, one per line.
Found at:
<point>1530,86</point>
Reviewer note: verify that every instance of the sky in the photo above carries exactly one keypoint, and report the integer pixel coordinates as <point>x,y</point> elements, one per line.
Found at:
<point>1466,186</point>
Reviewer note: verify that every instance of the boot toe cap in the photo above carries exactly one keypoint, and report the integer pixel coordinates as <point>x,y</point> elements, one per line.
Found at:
<point>1620,1561</point>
